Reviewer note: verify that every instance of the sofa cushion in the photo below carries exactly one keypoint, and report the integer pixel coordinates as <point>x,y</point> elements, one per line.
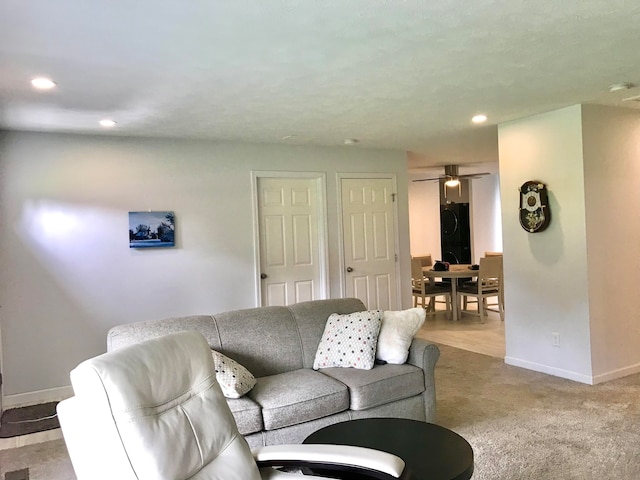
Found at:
<point>382,384</point>
<point>298,396</point>
<point>247,413</point>
<point>349,340</point>
<point>311,318</point>
<point>265,340</point>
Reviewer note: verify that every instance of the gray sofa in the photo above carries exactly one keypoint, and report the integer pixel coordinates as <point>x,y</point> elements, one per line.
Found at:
<point>290,399</point>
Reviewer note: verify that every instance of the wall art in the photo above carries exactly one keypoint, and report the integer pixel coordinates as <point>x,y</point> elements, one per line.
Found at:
<point>151,229</point>
<point>534,206</point>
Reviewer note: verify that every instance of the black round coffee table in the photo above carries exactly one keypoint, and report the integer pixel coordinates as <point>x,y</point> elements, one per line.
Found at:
<point>429,451</point>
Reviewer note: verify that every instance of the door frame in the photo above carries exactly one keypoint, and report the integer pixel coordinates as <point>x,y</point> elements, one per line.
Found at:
<point>1,377</point>
<point>396,233</point>
<point>323,239</point>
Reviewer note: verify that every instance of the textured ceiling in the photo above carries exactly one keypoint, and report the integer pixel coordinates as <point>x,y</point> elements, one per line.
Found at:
<point>393,74</point>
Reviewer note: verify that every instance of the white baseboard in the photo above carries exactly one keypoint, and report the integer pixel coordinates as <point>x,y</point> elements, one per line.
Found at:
<point>619,373</point>
<point>578,377</point>
<point>556,372</point>
<point>39,396</point>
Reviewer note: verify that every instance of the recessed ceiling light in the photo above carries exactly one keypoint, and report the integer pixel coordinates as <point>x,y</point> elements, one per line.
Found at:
<point>351,141</point>
<point>479,118</point>
<point>635,98</point>
<point>107,123</point>
<point>616,87</point>
<point>43,83</point>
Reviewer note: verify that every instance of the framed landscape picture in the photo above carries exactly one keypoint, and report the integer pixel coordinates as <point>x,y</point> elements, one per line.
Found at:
<point>151,229</point>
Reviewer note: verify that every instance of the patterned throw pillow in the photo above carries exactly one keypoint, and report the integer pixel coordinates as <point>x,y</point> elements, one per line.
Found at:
<point>349,341</point>
<point>234,379</point>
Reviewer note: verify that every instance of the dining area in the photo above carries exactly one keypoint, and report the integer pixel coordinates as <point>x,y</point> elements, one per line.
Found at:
<point>459,286</point>
<point>458,225</point>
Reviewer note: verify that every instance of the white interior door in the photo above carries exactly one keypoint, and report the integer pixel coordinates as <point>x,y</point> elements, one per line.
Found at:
<point>290,265</point>
<point>369,238</point>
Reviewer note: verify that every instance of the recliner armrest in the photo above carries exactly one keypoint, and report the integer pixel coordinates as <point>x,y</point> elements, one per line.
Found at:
<point>367,461</point>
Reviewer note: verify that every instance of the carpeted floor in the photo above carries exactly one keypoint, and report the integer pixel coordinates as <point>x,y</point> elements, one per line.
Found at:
<point>531,426</point>
<point>522,425</point>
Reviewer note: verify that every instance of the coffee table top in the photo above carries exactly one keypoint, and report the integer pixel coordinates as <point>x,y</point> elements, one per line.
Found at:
<point>429,451</point>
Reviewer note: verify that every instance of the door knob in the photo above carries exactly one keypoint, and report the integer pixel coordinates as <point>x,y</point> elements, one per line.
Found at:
<point>263,276</point>
<point>349,269</point>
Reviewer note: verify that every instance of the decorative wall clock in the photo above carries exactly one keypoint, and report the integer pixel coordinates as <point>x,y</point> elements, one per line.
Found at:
<point>534,207</point>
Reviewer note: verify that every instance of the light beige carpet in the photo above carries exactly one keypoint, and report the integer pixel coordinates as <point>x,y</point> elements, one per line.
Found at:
<point>531,426</point>
<point>522,425</point>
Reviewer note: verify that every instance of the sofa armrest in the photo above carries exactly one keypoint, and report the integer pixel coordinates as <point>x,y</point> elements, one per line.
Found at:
<point>425,355</point>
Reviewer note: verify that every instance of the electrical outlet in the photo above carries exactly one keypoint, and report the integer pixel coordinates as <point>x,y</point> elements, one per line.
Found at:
<point>555,339</point>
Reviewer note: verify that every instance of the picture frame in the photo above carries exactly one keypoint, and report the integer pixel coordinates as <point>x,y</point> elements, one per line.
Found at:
<point>152,229</point>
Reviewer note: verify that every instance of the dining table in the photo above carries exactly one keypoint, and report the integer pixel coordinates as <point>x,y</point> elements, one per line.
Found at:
<point>454,273</point>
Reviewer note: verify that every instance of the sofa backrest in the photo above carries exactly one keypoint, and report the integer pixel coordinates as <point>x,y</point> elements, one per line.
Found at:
<point>266,340</point>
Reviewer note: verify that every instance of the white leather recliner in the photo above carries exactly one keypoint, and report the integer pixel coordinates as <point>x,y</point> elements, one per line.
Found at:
<point>155,411</point>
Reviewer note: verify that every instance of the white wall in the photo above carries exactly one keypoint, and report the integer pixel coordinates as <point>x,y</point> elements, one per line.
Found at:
<point>577,278</point>
<point>424,218</point>
<point>546,272</point>
<point>68,274</point>
<point>486,216</point>
<point>612,170</point>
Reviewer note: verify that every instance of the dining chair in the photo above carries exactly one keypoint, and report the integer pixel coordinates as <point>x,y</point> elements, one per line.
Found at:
<point>488,284</point>
<point>500,299</point>
<point>425,259</point>
<point>423,289</point>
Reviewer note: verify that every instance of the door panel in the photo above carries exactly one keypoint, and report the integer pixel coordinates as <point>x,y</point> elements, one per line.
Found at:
<point>275,240</point>
<point>368,218</point>
<point>302,246</point>
<point>289,243</point>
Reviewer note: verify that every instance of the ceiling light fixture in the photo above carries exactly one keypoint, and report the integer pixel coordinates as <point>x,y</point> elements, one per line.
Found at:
<point>351,141</point>
<point>452,182</point>
<point>479,118</point>
<point>635,98</point>
<point>616,87</point>
<point>42,83</point>
<point>108,123</point>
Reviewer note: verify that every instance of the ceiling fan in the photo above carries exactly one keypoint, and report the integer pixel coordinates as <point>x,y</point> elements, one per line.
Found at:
<point>451,176</point>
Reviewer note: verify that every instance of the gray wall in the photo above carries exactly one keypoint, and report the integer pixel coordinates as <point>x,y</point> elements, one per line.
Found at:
<point>68,274</point>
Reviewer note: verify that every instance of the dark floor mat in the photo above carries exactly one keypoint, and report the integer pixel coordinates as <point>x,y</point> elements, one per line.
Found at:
<point>31,419</point>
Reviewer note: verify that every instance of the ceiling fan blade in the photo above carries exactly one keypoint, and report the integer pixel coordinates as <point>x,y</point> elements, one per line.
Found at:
<point>427,179</point>
<point>474,175</point>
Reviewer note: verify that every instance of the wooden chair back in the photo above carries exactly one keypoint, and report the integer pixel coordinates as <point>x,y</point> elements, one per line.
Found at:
<point>416,271</point>
<point>490,273</point>
<point>425,259</point>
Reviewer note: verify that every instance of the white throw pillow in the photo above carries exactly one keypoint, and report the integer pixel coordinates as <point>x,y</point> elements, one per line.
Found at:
<point>349,340</point>
<point>235,380</point>
<point>397,332</point>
